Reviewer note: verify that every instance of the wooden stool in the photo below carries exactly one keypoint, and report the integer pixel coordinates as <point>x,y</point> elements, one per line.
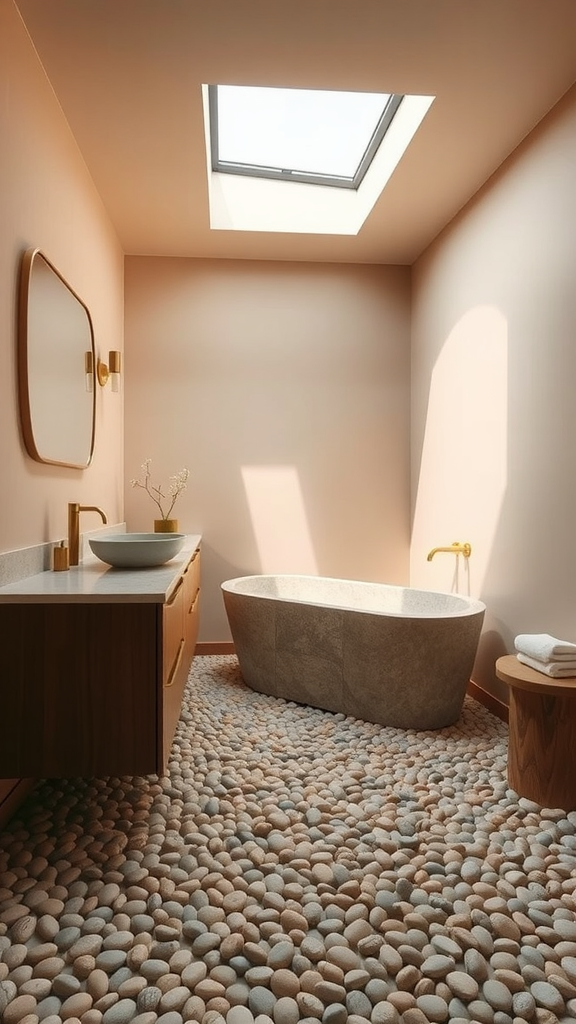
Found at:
<point>542,734</point>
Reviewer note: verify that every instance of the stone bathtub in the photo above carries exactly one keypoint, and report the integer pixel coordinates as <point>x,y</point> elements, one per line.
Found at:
<point>385,654</point>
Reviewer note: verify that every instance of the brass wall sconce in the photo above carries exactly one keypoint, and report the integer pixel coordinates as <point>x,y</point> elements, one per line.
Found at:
<point>110,371</point>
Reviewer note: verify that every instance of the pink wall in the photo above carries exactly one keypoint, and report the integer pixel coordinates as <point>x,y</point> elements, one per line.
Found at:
<point>284,388</point>
<point>48,201</point>
<point>493,374</point>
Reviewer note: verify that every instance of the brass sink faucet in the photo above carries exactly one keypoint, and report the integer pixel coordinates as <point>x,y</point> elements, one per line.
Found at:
<point>456,549</point>
<point>74,510</point>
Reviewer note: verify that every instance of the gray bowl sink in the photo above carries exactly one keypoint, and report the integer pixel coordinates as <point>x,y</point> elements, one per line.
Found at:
<point>137,550</point>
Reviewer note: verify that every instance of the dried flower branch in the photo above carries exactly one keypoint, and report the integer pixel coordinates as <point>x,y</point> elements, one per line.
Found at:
<point>177,484</point>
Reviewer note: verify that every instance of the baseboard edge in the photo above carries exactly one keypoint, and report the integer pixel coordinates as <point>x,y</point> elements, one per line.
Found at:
<point>488,700</point>
<point>223,647</point>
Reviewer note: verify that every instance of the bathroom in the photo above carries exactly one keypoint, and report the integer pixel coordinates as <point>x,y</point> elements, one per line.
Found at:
<point>337,418</point>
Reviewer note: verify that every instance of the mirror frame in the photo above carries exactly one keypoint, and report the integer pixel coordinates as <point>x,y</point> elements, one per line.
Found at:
<point>31,442</point>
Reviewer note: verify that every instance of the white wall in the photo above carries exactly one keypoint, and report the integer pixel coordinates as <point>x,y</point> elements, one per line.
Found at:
<point>493,375</point>
<point>48,201</point>
<point>284,387</point>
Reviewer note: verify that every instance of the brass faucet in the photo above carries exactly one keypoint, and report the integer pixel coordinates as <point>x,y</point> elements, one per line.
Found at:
<point>455,549</point>
<point>74,510</point>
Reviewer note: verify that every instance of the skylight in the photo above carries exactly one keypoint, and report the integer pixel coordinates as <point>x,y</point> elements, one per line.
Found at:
<point>308,135</point>
<point>257,181</point>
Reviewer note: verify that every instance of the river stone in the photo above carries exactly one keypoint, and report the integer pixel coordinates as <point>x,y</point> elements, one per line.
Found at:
<point>284,983</point>
<point>239,1015</point>
<point>262,1000</point>
<point>462,985</point>
<point>76,1005</point>
<point>286,1011</point>
<point>336,1013</point>
<point>329,992</point>
<point>383,1013</point>
<point>174,999</point>
<point>281,955</point>
<point>49,1007</point>
<point>512,979</point>
<point>23,929</point>
<point>358,1003</point>
<point>18,1008</point>
<point>547,996</point>
<point>497,995</point>
<point>110,960</point>
<point>148,999</point>
<point>447,946</point>
<point>437,965</point>
<point>433,1007</point>
<point>523,1005</point>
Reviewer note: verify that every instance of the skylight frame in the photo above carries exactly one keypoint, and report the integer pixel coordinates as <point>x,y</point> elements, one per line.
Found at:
<point>293,175</point>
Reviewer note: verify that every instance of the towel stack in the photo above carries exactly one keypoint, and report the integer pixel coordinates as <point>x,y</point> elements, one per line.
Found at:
<point>556,658</point>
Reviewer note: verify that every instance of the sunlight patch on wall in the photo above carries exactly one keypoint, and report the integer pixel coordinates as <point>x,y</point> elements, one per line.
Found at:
<point>463,469</point>
<point>279,520</point>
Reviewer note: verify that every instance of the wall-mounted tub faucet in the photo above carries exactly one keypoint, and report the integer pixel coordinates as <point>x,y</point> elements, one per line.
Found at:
<point>74,510</point>
<point>454,549</point>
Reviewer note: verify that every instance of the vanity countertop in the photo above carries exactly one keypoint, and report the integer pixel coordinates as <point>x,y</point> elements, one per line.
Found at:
<point>93,581</point>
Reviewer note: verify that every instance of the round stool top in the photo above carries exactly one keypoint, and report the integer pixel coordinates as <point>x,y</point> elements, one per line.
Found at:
<point>522,677</point>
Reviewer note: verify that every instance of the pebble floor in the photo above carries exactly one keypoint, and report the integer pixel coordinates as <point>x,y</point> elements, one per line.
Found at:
<point>295,865</point>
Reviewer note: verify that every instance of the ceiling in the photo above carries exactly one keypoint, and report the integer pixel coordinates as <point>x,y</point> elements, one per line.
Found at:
<point>128,76</point>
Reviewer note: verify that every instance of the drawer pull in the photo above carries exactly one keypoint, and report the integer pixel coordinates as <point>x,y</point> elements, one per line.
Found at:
<point>191,567</point>
<point>175,666</point>
<point>192,607</point>
<point>175,592</point>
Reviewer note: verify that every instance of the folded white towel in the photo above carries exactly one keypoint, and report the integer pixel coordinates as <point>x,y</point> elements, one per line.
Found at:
<point>544,647</point>
<point>555,669</point>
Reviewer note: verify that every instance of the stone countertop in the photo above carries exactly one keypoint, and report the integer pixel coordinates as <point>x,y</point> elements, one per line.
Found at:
<point>93,582</point>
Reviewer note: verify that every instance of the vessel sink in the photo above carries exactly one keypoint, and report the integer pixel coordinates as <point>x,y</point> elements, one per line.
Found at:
<point>137,550</point>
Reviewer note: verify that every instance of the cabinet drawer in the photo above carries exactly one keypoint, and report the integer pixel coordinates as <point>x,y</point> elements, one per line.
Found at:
<point>173,631</point>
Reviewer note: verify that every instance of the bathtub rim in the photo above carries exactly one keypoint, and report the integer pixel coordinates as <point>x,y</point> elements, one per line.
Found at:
<point>471,605</point>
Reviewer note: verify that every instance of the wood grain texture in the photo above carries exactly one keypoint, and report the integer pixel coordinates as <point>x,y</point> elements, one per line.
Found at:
<point>542,748</point>
<point>79,690</point>
<point>542,735</point>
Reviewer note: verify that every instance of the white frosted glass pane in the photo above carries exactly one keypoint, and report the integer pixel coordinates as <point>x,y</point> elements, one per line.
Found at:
<point>307,130</point>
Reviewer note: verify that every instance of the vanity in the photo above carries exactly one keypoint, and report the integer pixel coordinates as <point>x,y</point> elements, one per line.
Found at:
<point>93,664</point>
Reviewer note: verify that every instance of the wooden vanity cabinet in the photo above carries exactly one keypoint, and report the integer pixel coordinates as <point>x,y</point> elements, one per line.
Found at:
<point>95,689</point>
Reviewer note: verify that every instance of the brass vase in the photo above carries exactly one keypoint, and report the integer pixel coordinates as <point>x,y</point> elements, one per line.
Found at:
<point>166,526</point>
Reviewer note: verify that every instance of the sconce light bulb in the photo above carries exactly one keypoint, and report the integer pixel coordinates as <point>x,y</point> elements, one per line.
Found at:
<point>115,366</point>
<point>89,371</point>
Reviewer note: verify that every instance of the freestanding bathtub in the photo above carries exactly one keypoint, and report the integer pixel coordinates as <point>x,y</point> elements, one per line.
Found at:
<point>385,654</point>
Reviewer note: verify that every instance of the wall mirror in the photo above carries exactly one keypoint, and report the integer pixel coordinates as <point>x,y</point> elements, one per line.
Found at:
<point>55,366</point>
